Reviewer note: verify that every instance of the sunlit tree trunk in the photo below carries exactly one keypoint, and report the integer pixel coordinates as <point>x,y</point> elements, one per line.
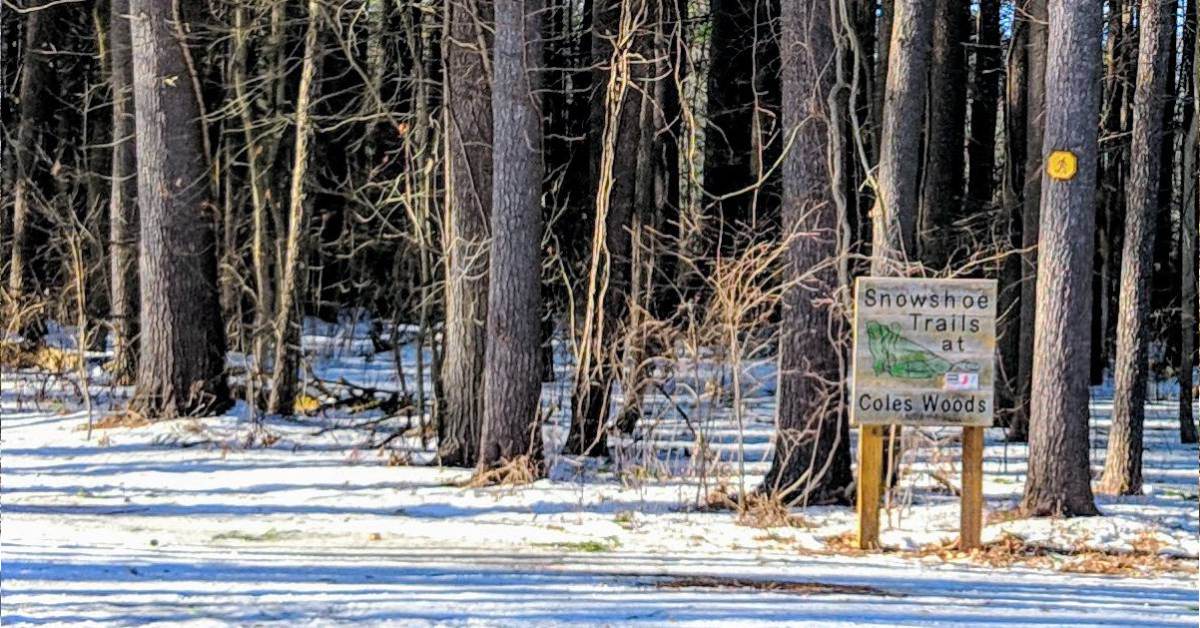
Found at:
<point>287,325</point>
<point>1123,462</point>
<point>1059,478</point>
<point>895,214</point>
<point>812,455</point>
<point>182,349</point>
<point>468,116</point>
<point>512,366</point>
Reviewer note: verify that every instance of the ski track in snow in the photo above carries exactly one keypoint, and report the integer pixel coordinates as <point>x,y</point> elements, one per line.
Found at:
<point>195,522</point>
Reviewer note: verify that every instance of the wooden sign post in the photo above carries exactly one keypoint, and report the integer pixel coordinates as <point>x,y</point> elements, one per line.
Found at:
<point>924,355</point>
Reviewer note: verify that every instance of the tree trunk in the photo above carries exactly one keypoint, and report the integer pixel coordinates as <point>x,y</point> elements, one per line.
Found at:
<point>1035,111</point>
<point>1058,481</point>
<point>1164,294</point>
<point>182,360</point>
<point>1189,203</point>
<point>34,74</point>
<point>614,135</point>
<point>811,464</point>
<point>468,116</point>
<point>988,71</point>
<point>1013,185</point>
<point>123,214</point>
<point>1123,462</point>
<point>287,331</point>
<point>883,47</point>
<point>512,369</point>
<point>667,108</point>
<point>942,185</point>
<point>1112,180</point>
<point>894,216</point>
<point>895,213</point>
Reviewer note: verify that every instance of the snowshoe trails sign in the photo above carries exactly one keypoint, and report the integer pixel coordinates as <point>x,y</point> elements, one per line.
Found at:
<point>924,352</point>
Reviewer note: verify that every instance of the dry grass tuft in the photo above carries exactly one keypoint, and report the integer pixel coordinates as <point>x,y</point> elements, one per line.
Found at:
<point>124,418</point>
<point>844,543</point>
<point>764,510</point>
<point>15,356</point>
<point>776,586</point>
<point>517,471</point>
<point>1011,550</point>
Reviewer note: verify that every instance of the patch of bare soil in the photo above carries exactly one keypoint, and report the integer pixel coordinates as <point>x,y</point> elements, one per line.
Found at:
<point>777,586</point>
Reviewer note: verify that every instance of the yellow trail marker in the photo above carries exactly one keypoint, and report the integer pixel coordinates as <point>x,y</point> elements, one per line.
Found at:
<point>1062,165</point>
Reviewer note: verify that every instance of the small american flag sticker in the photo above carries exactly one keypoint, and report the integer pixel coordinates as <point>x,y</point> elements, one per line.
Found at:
<point>962,381</point>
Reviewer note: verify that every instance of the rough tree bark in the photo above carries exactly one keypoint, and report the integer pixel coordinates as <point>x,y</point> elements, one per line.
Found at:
<point>287,325</point>
<point>182,359</point>
<point>1035,111</point>
<point>1058,481</point>
<point>811,464</point>
<point>942,184</point>
<point>123,214</point>
<point>1123,462</point>
<point>895,214</point>
<point>512,366</point>
<point>468,117</point>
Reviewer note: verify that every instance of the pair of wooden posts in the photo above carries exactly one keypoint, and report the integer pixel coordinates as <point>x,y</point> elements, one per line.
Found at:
<point>924,355</point>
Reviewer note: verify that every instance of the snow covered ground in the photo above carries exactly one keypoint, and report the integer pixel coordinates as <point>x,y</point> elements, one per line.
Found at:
<point>225,521</point>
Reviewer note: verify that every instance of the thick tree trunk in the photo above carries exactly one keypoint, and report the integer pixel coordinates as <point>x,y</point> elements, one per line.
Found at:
<point>812,455</point>
<point>942,184</point>
<point>1035,111</point>
<point>123,214</point>
<point>182,359</point>
<point>988,72</point>
<point>287,326</point>
<point>468,112</point>
<point>895,213</point>
<point>512,365</point>
<point>1058,482</point>
<point>1123,462</point>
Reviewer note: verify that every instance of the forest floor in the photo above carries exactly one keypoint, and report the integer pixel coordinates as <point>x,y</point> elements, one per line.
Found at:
<point>226,520</point>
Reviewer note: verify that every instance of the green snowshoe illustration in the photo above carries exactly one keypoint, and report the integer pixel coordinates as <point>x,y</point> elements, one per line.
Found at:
<point>897,356</point>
